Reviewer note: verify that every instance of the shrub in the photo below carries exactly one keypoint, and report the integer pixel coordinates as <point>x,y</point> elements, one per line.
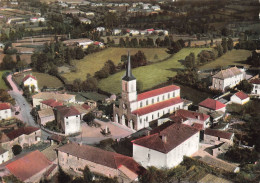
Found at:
<point>17,149</point>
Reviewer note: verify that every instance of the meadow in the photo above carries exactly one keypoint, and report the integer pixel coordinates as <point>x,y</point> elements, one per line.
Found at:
<point>2,83</point>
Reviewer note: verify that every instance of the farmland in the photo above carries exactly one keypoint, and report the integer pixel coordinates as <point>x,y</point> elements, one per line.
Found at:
<point>150,75</point>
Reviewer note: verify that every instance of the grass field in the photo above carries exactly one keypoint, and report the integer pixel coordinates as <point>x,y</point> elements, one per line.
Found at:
<point>94,62</point>
<point>234,57</point>
<point>2,83</point>
<point>150,75</point>
<point>43,80</point>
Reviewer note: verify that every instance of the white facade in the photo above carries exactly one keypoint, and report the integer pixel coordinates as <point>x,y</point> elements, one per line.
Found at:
<point>4,157</point>
<point>71,124</point>
<point>31,82</point>
<point>149,157</point>
<point>5,114</point>
<point>207,110</point>
<point>237,100</point>
<point>256,89</point>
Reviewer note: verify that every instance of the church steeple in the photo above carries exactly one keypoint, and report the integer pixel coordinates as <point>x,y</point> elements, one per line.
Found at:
<point>128,75</point>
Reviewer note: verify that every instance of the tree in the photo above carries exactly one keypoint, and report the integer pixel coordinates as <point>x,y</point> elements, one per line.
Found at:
<point>87,174</point>
<point>8,63</point>
<point>79,53</point>
<point>224,45</point>
<point>5,97</point>
<point>220,50</point>
<point>63,177</point>
<point>150,42</point>
<point>77,85</point>
<point>245,86</point>
<point>110,67</point>
<point>26,91</point>
<point>154,175</point>
<point>158,42</point>
<point>122,42</point>
<point>230,44</point>
<point>89,117</point>
<point>17,149</point>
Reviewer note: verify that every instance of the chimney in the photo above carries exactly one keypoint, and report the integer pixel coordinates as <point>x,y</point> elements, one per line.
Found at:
<point>198,117</point>
<point>164,138</point>
<point>148,132</point>
<point>80,144</point>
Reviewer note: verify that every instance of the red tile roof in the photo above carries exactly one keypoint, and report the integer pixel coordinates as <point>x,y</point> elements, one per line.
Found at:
<point>241,95</point>
<point>158,106</point>
<point>85,106</point>
<point>4,106</point>
<point>29,76</point>
<point>177,119</point>
<point>255,81</point>
<point>28,165</point>
<point>218,133</point>
<point>67,111</point>
<point>20,131</point>
<point>191,114</point>
<point>52,103</point>
<point>102,157</point>
<point>175,134</point>
<point>156,92</point>
<point>212,104</point>
<point>198,126</point>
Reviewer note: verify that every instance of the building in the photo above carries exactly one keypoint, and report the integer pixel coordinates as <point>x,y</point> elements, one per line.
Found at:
<point>37,19</point>
<point>5,111</point>
<point>137,111</point>
<point>82,42</point>
<point>100,29</point>
<point>4,155</point>
<point>73,157</point>
<point>84,20</point>
<point>69,119</point>
<point>50,103</point>
<point>28,167</point>
<point>31,82</point>
<point>210,178</point>
<point>213,136</point>
<point>227,78</point>
<point>191,118</point>
<point>256,87</point>
<point>42,96</point>
<point>166,145</point>
<point>210,105</point>
<point>240,98</point>
<point>45,116</point>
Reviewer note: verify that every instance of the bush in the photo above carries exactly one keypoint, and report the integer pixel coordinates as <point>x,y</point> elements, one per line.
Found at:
<point>17,149</point>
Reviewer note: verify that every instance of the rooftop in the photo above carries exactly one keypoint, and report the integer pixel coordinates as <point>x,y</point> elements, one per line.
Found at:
<point>67,111</point>
<point>227,73</point>
<point>4,106</point>
<point>45,113</point>
<point>212,104</point>
<point>53,95</point>
<point>156,92</point>
<point>29,76</point>
<point>158,106</point>
<point>241,95</point>
<point>209,178</point>
<point>255,81</point>
<point>191,114</point>
<point>20,131</point>
<point>218,133</point>
<point>52,102</point>
<point>175,134</point>
<point>28,165</point>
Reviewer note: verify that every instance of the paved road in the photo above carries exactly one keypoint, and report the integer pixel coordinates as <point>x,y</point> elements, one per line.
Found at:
<point>25,107</point>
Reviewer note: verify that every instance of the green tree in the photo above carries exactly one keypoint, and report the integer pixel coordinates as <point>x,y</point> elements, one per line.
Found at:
<point>89,117</point>
<point>5,97</point>
<point>220,50</point>
<point>150,42</point>
<point>63,177</point>
<point>87,174</point>
<point>245,86</point>
<point>8,63</point>
<point>79,53</point>
<point>77,84</point>
<point>122,42</point>
<point>17,149</point>
<point>230,44</point>
<point>224,45</point>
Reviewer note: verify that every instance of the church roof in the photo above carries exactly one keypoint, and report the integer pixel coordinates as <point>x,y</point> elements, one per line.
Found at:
<point>168,138</point>
<point>156,92</point>
<point>158,106</point>
<point>128,75</point>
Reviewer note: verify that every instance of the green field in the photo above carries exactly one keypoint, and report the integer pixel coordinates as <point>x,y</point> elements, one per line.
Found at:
<point>94,62</point>
<point>234,57</point>
<point>2,83</point>
<point>150,75</point>
<point>43,80</point>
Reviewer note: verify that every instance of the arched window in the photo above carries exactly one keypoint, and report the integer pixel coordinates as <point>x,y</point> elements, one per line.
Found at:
<point>158,99</point>
<point>146,102</point>
<point>173,94</point>
<point>163,97</point>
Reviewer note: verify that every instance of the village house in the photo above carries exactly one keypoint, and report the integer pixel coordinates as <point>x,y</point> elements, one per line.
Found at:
<point>42,96</point>
<point>137,111</point>
<point>31,82</point>
<point>227,78</point>
<point>4,155</point>
<point>166,145</point>
<point>84,20</point>
<point>25,136</point>
<point>68,119</point>
<point>100,29</point>
<point>191,118</point>
<point>5,111</point>
<point>50,103</point>
<point>213,136</point>
<point>44,116</point>
<point>83,42</point>
<point>28,168</point>
<point>73,157</point>
<point>214,108</point>
<point>256,87</point>
<point>240,98</point>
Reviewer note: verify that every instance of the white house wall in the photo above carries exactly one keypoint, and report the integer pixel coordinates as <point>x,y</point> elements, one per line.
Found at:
<point>5,114</point>
<point>256,89</point>
<point>71,124</point>
<point>237,100</point>
<point>4,157</point>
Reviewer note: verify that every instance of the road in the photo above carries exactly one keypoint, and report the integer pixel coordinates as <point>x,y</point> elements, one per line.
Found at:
<point>25,112</point>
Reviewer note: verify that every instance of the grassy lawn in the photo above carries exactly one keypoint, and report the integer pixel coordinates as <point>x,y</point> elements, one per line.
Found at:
<point>234,57</point>
<point>2,83</point>
<point>94,62</point>
<point>150,75</point>
<point>43,80</point>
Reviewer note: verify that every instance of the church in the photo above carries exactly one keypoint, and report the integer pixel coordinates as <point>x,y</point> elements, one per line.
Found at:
<point>136,111</point>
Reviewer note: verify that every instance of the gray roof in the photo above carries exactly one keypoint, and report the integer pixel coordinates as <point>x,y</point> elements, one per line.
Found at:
<point>128,75</point>
<point>227,73</point>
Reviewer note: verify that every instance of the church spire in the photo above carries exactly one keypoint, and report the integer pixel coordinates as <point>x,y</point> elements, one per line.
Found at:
<point>128,75</point>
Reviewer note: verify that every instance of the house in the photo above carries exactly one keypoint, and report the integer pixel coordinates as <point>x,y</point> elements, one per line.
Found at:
<point>134,32</point>
<point>73,157</point>
<point>100,29</point>
<point>45,116</point>
<point>63,97</point>
<point>4,155</point>
<point>227,78</point>
<point>149,31</point>
<point>156,8</point>
<point>136,111</point>
<point>50,103</point>
<point>69,119</point>
<point>31,82</point>
<point>166,145</point>
<point>28,167</point>
<point>99,44</point>
<point>210,105</point>
<point>25,136</point>
<point>192,117</point>
<point>213,136</point>
<point>116,31</point>
<point>5,111</point>
<point>82,42</point>
<point>84,20</point>
<point>240,98</point>
<point>256,87</point>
